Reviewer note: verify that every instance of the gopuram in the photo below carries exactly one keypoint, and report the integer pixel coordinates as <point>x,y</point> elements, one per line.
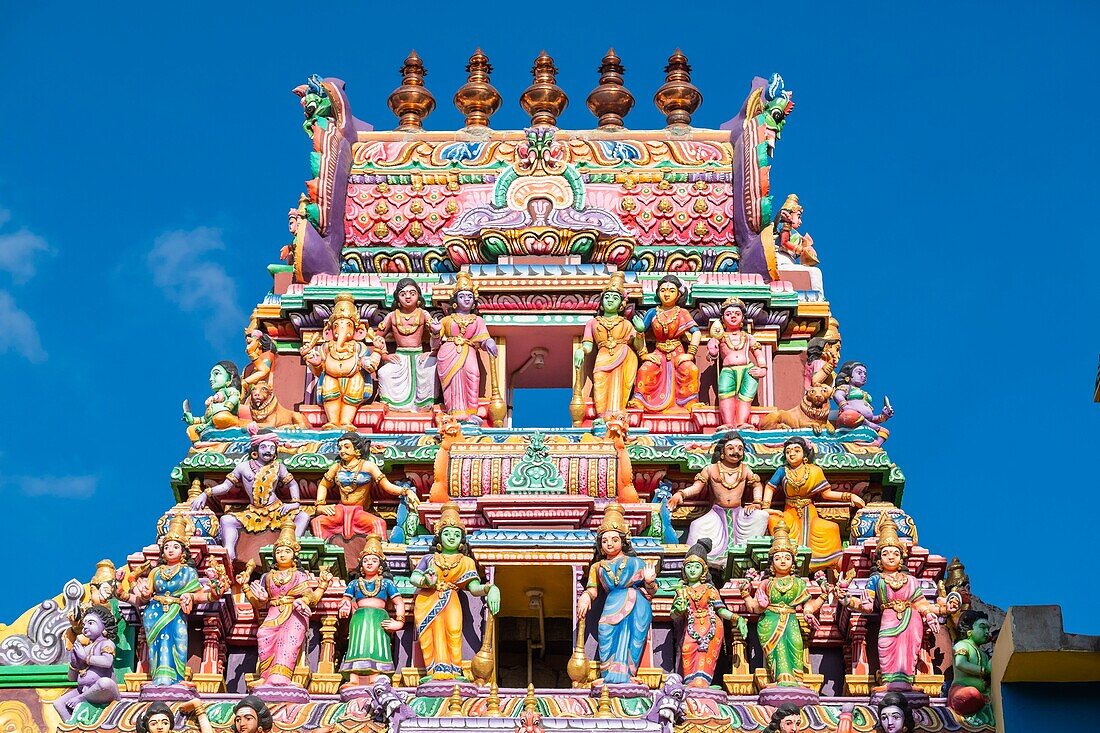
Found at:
<point>358,540</point>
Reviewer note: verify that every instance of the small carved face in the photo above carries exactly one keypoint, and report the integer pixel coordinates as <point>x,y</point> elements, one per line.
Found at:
<point>732,318</point>
<point>733,452</point>
<point>173,551</point>
<point>252,339</point>
<point>782,562</point>
<point>284,556</point>
<point>794,217</point>
<point>465,299</point>
<point>890,557</point>
<point>219,377</point>
<point>159,723</point>
<point>831,352</point>
<point>668,294</point>
<point>795,455</point>
<point>611,544</point>
<point>891,719</point>
<point>107,590</point>
<point>408,296</point>
<point>259,394</point>
<point>694,569</point>
<point>347,450</point>
<point>790,724</point>
<point>859,376</point>
<point>450,538</point>
<point>266,451</point>
<point>92,626</point>
<point>611,302</point>
<point>981,632</point>
<point>370,565</point>
<point>245,720</point>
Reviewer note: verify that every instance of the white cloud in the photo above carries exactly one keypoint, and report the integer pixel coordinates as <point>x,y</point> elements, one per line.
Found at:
<point>18,250</point>
<point>68,487</point>
<point>183,266</point>
<point>18,331</point>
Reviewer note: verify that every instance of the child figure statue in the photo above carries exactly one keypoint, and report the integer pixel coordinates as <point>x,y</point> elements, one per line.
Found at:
<point>780,600</point>
<point>288,595</point>
<point>700,609</point>
<point>91,665</point>
<point>369,652</point>
<point>628,584</point>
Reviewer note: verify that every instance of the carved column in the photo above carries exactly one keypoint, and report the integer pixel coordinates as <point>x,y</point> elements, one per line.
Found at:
<point>134,680</point>
<point>211,675</point>
<point>858,680</point>
<point>326,680</point>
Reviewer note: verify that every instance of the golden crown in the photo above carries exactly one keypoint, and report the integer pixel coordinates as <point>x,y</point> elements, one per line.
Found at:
<point>791,204</point>
<point>104,572</point>
<point>372,547</point>
<point>781,541</point>
<point>613,520</point>
<point>616,284</point>
<point>886,529</point>
<point>287,536</point>
<point>449,517</point>
<point>344,307</point>
<point>180,529</point>
<point>465,281</point>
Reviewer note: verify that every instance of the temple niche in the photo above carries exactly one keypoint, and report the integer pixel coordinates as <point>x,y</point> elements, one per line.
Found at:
<point>358,538</point>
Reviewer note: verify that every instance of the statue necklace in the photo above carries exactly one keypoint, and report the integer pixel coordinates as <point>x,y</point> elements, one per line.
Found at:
<point>735,475</point>
<point>608,322</point>
<point>783,584</point>
<point>407,326</point>
<point>704,639</point>
<point>895,579</point>
<point>664,318</point>
<point>615,574</point>
<point>795,481</point>
<point>282,577</point>
<point>169,572</point>
<point>369,591</point>
<point>444,565</point>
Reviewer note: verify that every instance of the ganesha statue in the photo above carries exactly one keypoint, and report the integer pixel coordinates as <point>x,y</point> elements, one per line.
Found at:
<point>344,359</point>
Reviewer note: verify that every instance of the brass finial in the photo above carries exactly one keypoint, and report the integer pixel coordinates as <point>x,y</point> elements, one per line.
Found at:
<point>411,101</point>
<point>603,707</point>
<point>530,702</point>
<point>543,100</point>
<point>678,98</point>
<point>610,101</point>
<point>454,706</point>
<point>493,706</point>
<point>477,99</point>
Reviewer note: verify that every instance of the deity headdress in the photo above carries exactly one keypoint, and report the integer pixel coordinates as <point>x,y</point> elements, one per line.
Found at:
<point>257,436</point>
<point>781,541</point>
<point>616,284</point>
<point>344,307</point>
<point>791,204</point>
<point>614,521</point>
<point>886,529</point>
<point>700,550</point>
<point>104,572</point>
<point>372,547</point>
<point>464,281</point>
<point>180,529</point>
<point>449,517</point>
<point>287,536</point>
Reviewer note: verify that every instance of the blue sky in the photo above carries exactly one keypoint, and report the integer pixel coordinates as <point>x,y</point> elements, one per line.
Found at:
<point>945,156</point>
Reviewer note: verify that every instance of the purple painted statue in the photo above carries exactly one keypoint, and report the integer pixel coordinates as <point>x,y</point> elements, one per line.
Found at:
<point>261,476</point>
<point>91,664</point>
<point>853,402</point>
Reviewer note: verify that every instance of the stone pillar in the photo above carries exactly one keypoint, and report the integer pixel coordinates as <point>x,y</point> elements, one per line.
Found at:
<point>857,682</point>
<point>326,680</point>
<point>211,675</point>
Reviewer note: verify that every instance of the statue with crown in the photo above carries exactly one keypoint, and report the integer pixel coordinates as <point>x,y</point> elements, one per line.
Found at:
<point>437,608</point>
